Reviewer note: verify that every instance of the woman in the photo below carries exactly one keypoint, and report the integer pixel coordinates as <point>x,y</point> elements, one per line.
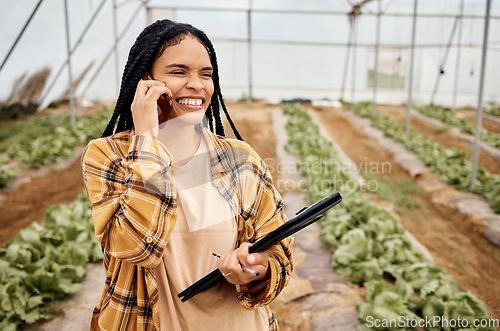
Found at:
<point>169,195</point>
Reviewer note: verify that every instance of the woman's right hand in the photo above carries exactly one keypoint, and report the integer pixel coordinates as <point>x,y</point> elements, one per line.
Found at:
<point>144,106</point>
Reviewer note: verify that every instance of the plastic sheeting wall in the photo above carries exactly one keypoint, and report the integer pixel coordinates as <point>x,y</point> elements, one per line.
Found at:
<point>298,48</point>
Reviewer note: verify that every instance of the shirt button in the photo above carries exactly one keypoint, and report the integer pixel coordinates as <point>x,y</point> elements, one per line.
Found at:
<point>149,240</point>
<point>216,182</point>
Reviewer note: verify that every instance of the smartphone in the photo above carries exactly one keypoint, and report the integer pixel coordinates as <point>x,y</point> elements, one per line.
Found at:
<point>164,103</point>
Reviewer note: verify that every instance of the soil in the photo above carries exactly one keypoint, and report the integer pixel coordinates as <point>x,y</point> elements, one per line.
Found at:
<point>470,115</point>
<point>447,139</point>
<point>455,241</point>
<point>35,190</point>
<point>27,203</point>
<point>254,124</point>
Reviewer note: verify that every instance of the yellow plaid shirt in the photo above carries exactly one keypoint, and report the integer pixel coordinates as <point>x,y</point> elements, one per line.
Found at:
<point>134,209</point>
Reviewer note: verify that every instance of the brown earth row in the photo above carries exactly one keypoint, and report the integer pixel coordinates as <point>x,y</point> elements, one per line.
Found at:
<point>447,139</point>
<point>455,240</point>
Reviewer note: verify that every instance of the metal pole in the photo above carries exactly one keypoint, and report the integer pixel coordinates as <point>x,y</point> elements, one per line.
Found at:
<point>354,49</point>
<point>73,50</point>
<point>20,35</point>
<point>387,5</point>
<point>101,65</point>
<point>249,48</point>
<point>115,34</point>
<point>70,75</point>
<point>346,61</point>
<point>375,66</point>
<point>443,62</point>
<point>479,113</point>
<point>410,78</point>
<point>457,63</point>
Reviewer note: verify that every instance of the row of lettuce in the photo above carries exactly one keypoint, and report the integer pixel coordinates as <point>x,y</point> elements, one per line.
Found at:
<point>446,116</point>
<point>45,263</point>
<point>370,246</point>
<point>453,166</point>
<point>494,110</point>
<point>43,140</point>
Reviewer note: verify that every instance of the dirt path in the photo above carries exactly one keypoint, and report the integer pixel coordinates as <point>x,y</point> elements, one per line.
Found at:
<point>254,124</point>
<point>26,203</point>
<point>447,139</point>
<point>455,241</point>
<point>316,298</point>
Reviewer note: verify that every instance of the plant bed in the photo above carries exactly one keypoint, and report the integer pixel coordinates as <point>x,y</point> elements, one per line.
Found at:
<point>363,235</point>
<point>456,241</point>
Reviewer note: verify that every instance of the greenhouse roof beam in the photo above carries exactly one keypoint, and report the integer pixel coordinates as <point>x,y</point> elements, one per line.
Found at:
<point>343,44</point>
<point>108,54</point>
<point>82,35</point>
<point>321,12</point>
<point>20,34</point>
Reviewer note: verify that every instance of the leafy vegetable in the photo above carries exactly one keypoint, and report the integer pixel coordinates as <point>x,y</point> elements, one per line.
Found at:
<point>45,262</point>
<point>493,111</point>
<point>7,175</point>
<point>446,116</point>
<point>453,166</point>
<point>369,244</point>
<point>45,140</point>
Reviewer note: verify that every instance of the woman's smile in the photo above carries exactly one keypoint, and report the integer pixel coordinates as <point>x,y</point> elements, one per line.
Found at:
<point>189,101</point>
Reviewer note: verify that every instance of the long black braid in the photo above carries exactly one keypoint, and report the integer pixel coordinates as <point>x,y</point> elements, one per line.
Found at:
<point>150,45</point>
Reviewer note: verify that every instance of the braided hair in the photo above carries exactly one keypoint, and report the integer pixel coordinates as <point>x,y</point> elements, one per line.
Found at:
<point>149,46</point>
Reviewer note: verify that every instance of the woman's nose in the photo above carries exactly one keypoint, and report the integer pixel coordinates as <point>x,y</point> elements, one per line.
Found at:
<point>195,83</point>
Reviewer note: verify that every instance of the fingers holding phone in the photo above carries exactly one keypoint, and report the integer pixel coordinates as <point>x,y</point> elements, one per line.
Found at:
<point>145,106</point>
<point>164,102</point>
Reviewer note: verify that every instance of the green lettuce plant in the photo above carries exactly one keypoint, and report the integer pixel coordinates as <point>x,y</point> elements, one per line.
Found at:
<point>46,262</point>
<point>370,246</point>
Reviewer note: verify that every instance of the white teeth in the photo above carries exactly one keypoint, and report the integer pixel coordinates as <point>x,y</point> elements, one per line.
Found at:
<point>191,102</point>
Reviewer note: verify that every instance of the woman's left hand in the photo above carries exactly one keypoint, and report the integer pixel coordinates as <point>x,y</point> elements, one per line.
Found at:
<point>232,265</point>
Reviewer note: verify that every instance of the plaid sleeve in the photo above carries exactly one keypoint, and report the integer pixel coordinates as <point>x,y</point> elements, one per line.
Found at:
<point>264,206</point>
<point>132,197</point>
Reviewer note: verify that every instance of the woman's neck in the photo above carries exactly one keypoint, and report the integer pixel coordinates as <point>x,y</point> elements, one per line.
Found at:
<point>181,141</point>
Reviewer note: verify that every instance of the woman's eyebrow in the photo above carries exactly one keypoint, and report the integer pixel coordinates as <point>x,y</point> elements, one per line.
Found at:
<point>175,65</point>
<point>183,66</point>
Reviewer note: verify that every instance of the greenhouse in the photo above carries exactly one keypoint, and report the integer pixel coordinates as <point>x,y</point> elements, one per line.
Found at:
<point>389,107</point>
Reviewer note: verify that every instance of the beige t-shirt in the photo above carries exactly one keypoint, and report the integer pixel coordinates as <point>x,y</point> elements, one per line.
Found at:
<point>205,224</point>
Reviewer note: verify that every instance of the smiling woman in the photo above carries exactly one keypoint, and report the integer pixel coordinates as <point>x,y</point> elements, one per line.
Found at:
<point>167,194</point>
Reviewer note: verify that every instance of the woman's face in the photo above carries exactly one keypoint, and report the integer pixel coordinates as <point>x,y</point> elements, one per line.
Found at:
<point>186,70</point>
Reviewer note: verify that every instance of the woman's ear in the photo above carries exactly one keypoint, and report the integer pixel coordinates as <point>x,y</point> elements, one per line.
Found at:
<point>147,76</point>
